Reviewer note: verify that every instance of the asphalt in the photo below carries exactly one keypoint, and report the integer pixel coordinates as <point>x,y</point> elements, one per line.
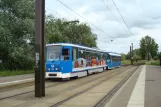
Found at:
<point>143,89</point>
<point>153,87</point>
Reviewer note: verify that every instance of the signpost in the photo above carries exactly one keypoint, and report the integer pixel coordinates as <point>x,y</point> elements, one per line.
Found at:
<point>39,49</point>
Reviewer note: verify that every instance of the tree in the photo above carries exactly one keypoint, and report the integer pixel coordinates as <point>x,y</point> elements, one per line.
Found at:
<point>16,28</point>
<point>136,54</point>
<point>57,30</point>
<point>148,47</point>
<point>136,57</point>
<point>123,56</point>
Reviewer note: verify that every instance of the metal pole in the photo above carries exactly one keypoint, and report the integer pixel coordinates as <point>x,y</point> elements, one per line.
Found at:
<point>39,49</point>
<point>160,60</point>
<point>132,53</point>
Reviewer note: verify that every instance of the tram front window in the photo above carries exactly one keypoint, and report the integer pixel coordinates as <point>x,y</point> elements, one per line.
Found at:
<point>53,53</point>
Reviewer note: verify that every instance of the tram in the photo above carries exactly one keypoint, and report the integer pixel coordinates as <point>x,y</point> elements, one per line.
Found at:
<point>65,60</point>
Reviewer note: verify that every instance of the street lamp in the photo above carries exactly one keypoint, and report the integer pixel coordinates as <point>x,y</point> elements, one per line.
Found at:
<point>74,21</point>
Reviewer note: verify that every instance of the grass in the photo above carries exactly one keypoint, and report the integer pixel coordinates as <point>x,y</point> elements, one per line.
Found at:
<point>12,73</point>
<point>153,62</point>
<point>125,62</point>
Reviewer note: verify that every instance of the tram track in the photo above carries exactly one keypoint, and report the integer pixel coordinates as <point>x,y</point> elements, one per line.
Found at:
<point>102,80</point>
<point>81,81</point>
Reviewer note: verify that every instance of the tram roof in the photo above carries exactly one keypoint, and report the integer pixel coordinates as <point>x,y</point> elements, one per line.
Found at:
<point>74,45</point>
<point>114,54</point>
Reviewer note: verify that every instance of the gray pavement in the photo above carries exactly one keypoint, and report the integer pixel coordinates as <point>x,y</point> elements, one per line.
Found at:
<point>153,87</point>
<point>15,78</point>
<point>121,98</point>
<point>141,90</point>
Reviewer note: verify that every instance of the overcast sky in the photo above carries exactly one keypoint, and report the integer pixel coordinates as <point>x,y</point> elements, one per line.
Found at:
<point>143,17</point>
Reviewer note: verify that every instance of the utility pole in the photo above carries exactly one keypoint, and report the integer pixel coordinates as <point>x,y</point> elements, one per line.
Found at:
<point>160,60</point>
<point>39,49</point>
<point>132,57</point>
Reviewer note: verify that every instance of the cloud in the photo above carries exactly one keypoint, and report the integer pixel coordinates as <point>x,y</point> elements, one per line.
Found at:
<point>141,16</point>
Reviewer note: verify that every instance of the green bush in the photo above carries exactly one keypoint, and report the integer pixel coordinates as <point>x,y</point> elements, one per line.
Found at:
<point>155,58</point>
<point>156,62</point>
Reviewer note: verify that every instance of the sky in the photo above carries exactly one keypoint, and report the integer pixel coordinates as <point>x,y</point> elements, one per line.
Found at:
<point>143,17</point>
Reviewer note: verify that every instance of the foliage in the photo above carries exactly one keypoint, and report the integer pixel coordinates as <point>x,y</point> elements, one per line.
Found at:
<point>136,58</point>
<point>16,27</point>
<point>123,56</point>
<point>60,30</point>
<point>154,62</point>
<point>159,55</point>
<point>136,54</point>
<point>155,58</point>
<point>148,47</point>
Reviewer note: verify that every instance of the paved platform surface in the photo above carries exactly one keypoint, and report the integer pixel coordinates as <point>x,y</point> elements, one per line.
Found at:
<point>143,89</point>
<point>16,78</point>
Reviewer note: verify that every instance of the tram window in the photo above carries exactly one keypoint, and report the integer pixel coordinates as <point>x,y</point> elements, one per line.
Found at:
<point>116,58</point>
<point>82,53</point>
<point>96,55</point>
<point>99,56</point>
<point>65,53</point>
<point>119,58</point>
<point>108,57</point>
<point>113,58</point>
<point>104,56</point>
<point>75,54</point>
<point>88,56</point>
<point>93,55</point>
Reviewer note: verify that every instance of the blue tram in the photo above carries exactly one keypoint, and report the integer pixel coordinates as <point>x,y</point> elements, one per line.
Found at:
<point>65,60</point>
<point>114,60</point>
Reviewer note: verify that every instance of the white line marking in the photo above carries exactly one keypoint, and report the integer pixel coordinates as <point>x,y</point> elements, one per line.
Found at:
<point>137,96</point>
<point>18,81</point>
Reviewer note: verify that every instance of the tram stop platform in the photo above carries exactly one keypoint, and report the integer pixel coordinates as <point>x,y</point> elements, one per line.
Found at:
<point>143,89</point>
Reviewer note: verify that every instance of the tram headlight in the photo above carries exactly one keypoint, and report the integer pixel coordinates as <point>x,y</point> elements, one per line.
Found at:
<point>48,69</point>
<point>57,69</point>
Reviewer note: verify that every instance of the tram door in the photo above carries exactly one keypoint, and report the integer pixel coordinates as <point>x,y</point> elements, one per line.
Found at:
<point>67,59</point>
<point>109,61</point>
